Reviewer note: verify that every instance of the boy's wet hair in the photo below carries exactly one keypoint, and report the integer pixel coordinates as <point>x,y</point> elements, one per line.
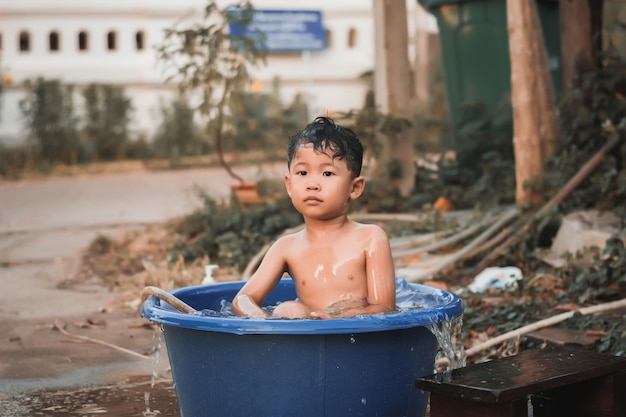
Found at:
<point>326,135</point>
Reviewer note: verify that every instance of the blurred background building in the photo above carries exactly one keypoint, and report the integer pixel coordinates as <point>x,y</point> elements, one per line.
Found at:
<point>79,42</point>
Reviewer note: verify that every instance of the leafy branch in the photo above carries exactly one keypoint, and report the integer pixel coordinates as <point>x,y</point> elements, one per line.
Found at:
<point>213,63</point>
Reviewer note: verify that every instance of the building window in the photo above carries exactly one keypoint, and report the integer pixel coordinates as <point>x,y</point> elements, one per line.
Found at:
<point>351,38</point>
<point>53,41</point>
<point>139,40</point>
<point>111,41</point>
<point>83,41</point>
<point>329,38</point>
<point>24,41</point>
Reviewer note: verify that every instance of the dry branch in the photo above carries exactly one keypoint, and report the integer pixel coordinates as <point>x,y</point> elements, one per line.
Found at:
<point>399,243</point>
<point>61,328</point>
<point>491,242</point>
<point>468,249</point>
<point>574,182</point>
<point>550,321</point>
<point>447,241</point>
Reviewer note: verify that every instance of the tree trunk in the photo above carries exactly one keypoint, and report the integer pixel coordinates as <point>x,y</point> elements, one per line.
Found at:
<point>396,88</point>
<point>576,38</point>
<point>546,97</point>
<point>535,123</point>
<point>421,66</point>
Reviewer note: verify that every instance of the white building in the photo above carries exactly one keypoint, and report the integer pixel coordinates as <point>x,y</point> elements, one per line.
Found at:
<point>82,41</point>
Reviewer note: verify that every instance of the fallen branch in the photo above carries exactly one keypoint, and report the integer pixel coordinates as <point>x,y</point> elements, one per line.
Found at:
<point>491,242</point>
<point>470,248</point>
<point>574,182</point>
<point>387,217</point>
<point>469,231</point>
<point>403,242</point>
<point>60,327</point>
<point>550,321</point>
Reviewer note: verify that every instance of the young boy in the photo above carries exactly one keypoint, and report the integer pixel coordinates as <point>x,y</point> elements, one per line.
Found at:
<point>340,268</point>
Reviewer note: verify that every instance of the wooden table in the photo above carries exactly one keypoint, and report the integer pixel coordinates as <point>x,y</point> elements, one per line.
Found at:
<point>554,381</point>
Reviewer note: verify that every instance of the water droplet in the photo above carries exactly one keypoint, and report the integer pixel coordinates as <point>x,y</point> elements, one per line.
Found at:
<point>446,333</point>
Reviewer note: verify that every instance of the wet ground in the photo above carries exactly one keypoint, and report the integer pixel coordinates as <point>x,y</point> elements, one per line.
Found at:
<point>135,397</point>
<point>45,224</point>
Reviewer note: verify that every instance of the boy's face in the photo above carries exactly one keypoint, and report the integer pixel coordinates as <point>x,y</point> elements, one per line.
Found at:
<point>319,186</point>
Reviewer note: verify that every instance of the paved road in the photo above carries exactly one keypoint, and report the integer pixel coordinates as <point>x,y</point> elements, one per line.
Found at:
<point>135,197</point>
<point>45,223</point>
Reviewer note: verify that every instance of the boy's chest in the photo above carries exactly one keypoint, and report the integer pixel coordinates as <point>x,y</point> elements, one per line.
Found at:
<point>330,256</point>
<point>325,262</point>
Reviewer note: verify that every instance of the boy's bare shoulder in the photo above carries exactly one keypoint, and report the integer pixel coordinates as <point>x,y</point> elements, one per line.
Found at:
<point>288,239</point>
<point>373,230</point>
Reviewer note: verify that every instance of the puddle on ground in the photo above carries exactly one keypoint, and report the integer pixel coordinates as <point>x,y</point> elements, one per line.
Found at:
<point>138,397</point>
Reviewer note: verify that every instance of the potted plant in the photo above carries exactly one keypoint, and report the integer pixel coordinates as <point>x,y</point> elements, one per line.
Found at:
<point>212,63</point>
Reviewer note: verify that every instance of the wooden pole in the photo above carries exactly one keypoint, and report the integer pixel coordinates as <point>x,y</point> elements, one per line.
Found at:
<point>421,67</point>
<point>535,124</point>
<point>399,146</point>
<point>546,99</point>
<point>576,37</point>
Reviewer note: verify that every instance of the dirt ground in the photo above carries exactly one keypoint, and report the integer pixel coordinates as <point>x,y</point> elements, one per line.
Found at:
<point>57,337</point>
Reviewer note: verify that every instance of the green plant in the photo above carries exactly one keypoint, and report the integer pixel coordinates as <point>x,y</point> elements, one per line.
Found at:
<point>232,235</point>
<point>107,115</point>
<point>206,59</point>
<point>365,122</point>
<point>295,115</point>
<point>14,160</point>
<point>140,148</point>
<point>593,112</point>
<point>178,134</point>
<point>482,170</point>
<point>262,121</point>
<point>256,123</point>
<point>48,111</point>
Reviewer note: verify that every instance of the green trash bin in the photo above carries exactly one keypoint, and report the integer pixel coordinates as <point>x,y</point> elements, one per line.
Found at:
<point>475,50</point>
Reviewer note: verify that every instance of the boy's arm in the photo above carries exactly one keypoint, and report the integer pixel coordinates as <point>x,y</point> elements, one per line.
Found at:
<point>249,299</point>
<point>380,271</point>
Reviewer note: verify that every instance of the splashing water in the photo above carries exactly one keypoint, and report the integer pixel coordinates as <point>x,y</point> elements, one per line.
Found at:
<point>446,333</point>
<point>157,337</point>
<point>148,412</point>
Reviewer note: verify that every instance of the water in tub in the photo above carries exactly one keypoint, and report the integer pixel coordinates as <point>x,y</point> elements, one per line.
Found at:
<point>407,298</point>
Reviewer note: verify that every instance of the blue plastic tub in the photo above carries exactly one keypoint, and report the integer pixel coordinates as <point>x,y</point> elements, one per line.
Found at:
<point>242,367</point>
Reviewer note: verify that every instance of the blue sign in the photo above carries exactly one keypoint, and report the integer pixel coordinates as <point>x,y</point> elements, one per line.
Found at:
<point>285,30</point>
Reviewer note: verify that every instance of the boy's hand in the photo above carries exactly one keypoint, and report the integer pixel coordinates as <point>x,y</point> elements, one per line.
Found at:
<point>320,315</point>
<point>243,305</point>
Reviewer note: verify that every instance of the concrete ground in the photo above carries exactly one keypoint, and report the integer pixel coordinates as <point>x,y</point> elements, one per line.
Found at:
<point>45,224</point>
